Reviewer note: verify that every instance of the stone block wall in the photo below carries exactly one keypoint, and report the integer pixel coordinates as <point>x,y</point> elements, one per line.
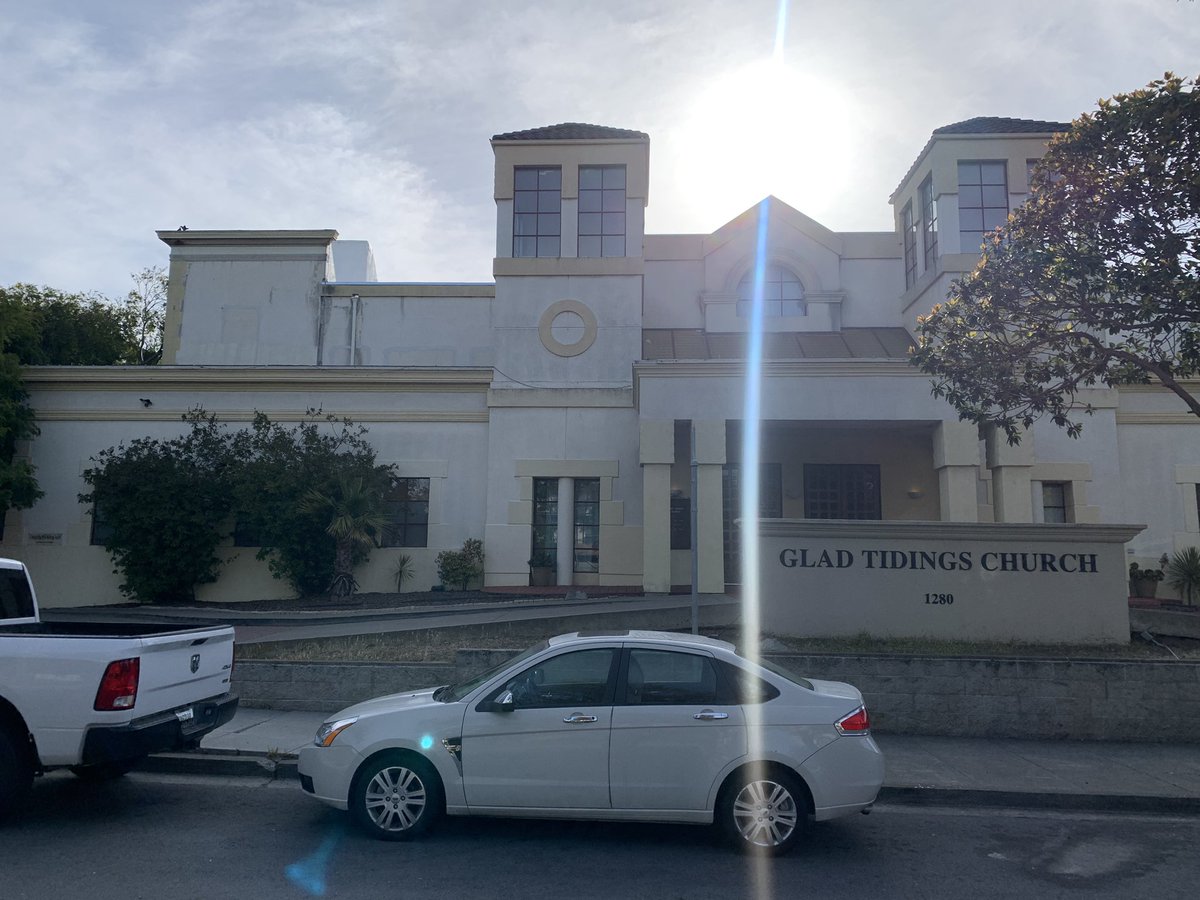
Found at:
<point>952,696</point>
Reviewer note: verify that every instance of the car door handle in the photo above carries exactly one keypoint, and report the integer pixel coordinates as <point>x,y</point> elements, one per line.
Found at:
<point>579,719</point>
<point>708,715</point>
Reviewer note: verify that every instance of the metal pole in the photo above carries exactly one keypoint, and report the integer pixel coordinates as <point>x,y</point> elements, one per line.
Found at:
<point>695,538</point>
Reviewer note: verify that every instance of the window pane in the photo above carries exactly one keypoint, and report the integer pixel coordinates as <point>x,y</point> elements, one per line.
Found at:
<point>968,173</point>
<point>614,201</point>
<point>572,679</point>
<point>547,246</point>
<point>587,489</point>
<point>589,223</point>
<point>792,290</point>
<point>548,224</point>
<point>995,195</point>
<point>971,219</point>
<point>548,201</point>
<point>614,177</point>
<point>589,246</point>
<point>794,308</point>
<point>525,224</point>
<point>994,218</point>
<point>590,178</point>
<point>614,223</point>
<point>524,202</point>
<point>993,172</point>
<point>549,179</point>
<point>525,179</point>
<point>971,241</point>
<point>524,246</point>
<point>614,246</point>
<point>589,201</point>
<point>969,197</point>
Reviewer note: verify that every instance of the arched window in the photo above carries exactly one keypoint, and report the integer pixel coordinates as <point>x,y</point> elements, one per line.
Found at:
<point>783,294</point>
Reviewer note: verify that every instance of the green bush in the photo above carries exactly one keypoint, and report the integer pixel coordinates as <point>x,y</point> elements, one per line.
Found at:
<point>460,567</point>
<point>1183,573</point>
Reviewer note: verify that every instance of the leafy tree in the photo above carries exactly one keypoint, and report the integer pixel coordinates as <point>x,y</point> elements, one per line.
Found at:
<point>353,511</point>
<point>277,467</point>
<point>142,314</point>
<point>18,486</point>
<point>1094,281</point>
<point>48,327</point>
<point>163,505</point>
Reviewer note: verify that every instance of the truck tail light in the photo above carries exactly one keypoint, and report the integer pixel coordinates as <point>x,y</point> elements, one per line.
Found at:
<point>119,686</point>
<point>858,722</point>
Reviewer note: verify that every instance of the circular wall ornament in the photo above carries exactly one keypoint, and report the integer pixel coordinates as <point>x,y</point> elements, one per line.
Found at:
<point>567,328</point>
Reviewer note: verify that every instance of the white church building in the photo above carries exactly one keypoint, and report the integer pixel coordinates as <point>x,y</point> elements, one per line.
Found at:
<point>550,412</point>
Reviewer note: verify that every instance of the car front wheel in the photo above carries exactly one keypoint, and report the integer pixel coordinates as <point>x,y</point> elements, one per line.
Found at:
<point>396,797</point>
<point>764,811</point>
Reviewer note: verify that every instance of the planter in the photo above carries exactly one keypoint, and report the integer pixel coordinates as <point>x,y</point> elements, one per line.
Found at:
<point>1143,587</point>
<point>542,576</point>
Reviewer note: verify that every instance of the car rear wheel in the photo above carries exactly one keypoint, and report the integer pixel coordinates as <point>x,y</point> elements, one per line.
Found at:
<point>764,812</point>
<point>396,797</point>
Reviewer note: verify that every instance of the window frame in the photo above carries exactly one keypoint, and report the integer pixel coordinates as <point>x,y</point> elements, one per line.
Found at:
<point>845,473</point>
<point>929,221</point>
<point>1067,507</point>
<point>908,226</point>
<point>602,222</point>
<point>582,548</point>
<point>606,699</point>
<point>544,553</point>
<point>396,533</point>
<point>774,307</point>
<point>984,206</point>
<point>542,210</point>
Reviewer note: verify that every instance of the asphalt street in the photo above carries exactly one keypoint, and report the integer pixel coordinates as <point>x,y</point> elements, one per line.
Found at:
<point>179,837</point>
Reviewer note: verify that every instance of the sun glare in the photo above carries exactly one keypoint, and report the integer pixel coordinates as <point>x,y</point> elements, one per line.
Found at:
<point>767,128</point>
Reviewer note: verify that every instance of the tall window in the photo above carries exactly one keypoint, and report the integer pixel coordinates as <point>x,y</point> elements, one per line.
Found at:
<point>1055,507</point>
<point>544,553</point>
<point>601,210</point>
<point>537,211</point>
<point>406,505</point>
<point>982,200</point>
<point>587,525</point>
<point>929,223</point>
<point>102,529</point>
<point>783,294</point>
<point>910,246</point>
<point>841,491</point>
<point>770,506</point>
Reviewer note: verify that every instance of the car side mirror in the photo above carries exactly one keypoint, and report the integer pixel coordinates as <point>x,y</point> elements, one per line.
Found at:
<point>503,703</point>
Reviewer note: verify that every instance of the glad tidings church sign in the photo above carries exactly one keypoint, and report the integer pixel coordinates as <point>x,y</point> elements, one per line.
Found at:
<point>960,581</point>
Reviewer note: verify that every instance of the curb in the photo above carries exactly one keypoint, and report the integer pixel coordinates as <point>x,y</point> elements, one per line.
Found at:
<point>1000,799</point>
<point>237,765</point>
<point>285,768</point>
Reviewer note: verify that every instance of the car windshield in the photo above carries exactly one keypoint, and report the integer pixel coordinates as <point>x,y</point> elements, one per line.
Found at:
<point>452,693</point>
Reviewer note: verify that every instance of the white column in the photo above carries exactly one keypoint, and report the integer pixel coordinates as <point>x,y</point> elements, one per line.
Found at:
<point>1012,468</point>
<point>566,530</point>
<point>656,453</point>
<point>956,459</point>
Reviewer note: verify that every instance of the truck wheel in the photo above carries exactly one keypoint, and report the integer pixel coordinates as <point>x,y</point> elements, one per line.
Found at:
<point>16,773</point>
<point>106,771</point>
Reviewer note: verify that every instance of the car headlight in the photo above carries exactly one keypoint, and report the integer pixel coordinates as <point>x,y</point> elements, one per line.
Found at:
<point>329,731</point>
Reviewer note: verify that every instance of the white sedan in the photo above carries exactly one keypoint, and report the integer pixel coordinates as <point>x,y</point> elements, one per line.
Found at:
<point>629,726</point>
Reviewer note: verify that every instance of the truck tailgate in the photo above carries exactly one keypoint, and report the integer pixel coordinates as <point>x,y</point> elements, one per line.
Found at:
<point>177,670</point>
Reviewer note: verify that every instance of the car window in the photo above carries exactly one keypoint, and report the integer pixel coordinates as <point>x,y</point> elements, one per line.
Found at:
<point>747,687</point>
<point>666,677</point>
<point>580,678</point>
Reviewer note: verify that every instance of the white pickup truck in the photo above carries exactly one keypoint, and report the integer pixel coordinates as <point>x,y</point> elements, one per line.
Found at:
<point>99,697</point>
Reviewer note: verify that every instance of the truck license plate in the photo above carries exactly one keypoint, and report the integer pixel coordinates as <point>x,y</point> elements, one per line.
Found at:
<point>185,715</point>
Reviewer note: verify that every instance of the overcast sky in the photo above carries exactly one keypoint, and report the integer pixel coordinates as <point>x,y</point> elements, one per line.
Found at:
<point>373,116</point>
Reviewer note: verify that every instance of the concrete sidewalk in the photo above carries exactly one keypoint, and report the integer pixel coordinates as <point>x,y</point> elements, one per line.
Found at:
<point>934,770</point>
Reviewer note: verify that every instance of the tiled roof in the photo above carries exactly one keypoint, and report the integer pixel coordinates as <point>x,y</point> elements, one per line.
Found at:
<point>572,131</point>
<point>849,343</point>
<point>1001,125</point>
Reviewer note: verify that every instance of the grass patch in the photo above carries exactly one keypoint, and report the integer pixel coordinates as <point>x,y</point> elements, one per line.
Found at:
<point>440,644</point>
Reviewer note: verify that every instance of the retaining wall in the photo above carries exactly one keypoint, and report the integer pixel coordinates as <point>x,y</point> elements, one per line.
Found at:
<point>956,696</point>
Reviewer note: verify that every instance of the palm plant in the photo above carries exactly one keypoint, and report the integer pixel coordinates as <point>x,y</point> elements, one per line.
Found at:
<point>1183,573</point>
<point>355,516</point>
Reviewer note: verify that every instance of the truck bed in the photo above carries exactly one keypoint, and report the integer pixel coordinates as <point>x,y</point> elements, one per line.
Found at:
<point>106,629</point>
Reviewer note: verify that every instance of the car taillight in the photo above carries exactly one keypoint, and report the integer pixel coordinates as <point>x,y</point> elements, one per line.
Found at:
<point>858,722</point>
<point>119,686</point>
